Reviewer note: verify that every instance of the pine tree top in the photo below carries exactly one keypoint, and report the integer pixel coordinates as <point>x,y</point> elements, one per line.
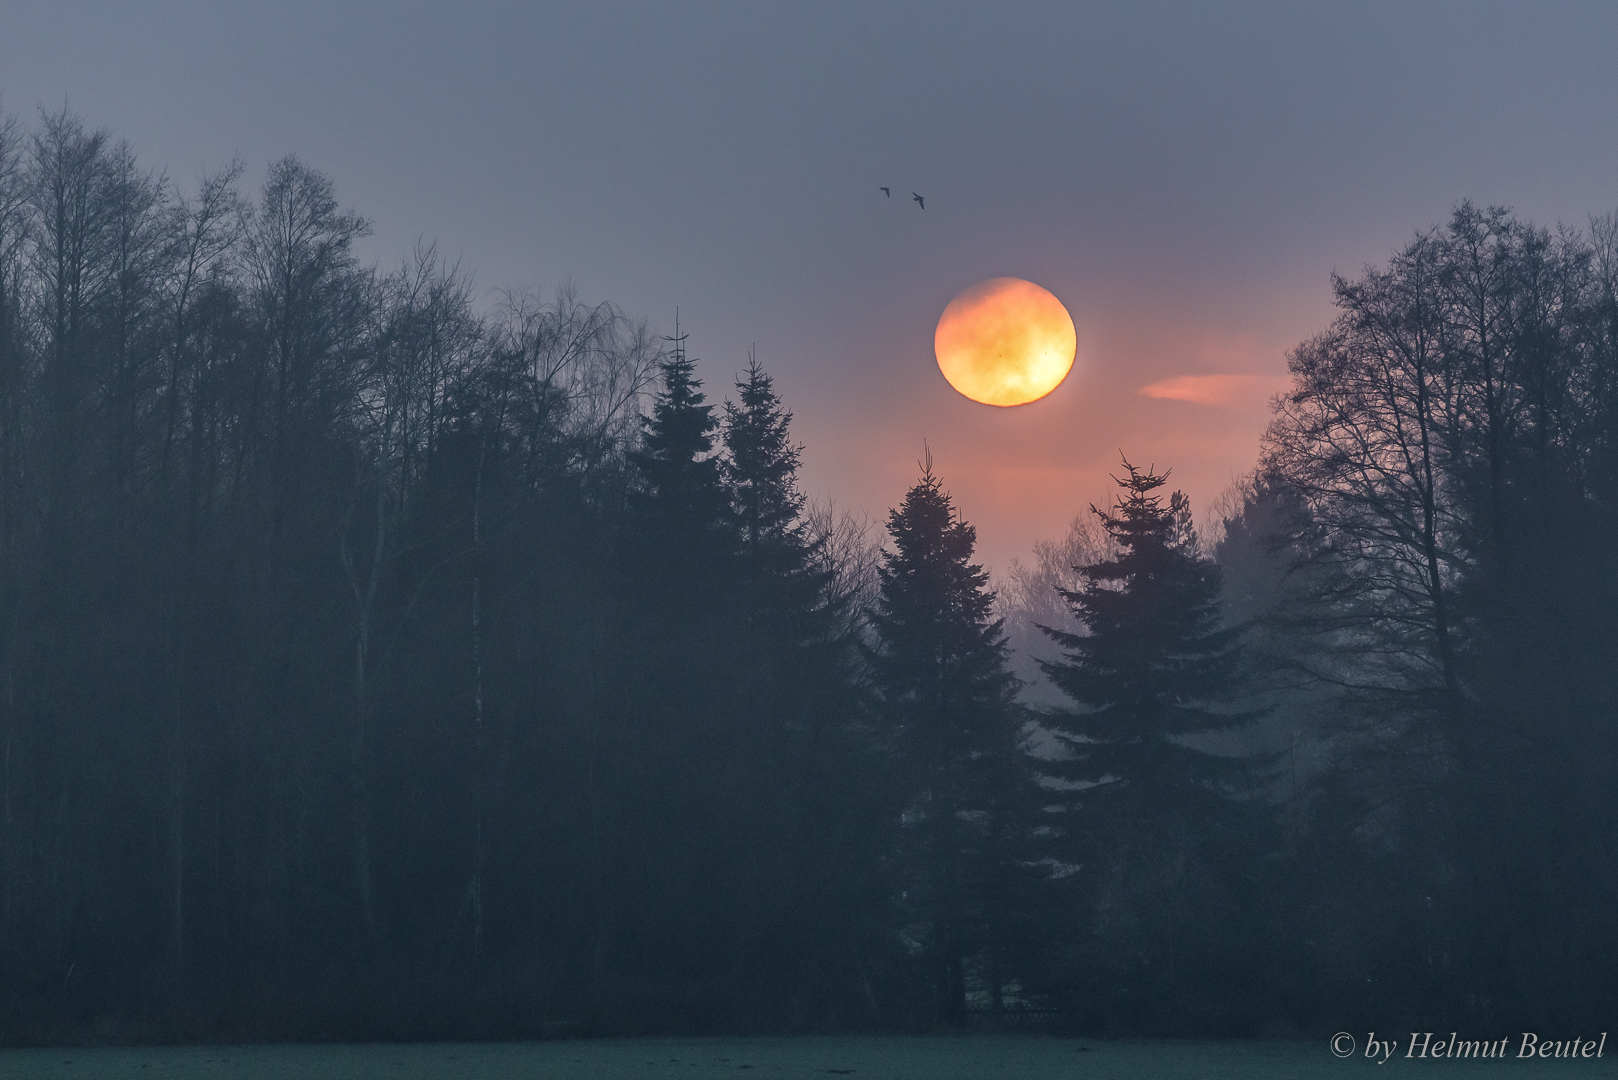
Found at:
<point>931,562</point>
<point>682,424</point>
<point>676,454</point>
<point>761,467</point>
<point>1154,655</point>
<point>934,613</point>
<point>940,660</point>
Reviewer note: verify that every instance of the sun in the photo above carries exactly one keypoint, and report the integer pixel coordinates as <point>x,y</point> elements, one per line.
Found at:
<point>1005,342</point>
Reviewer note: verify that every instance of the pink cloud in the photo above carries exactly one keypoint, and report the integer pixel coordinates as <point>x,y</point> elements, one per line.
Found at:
<point>1221,391</point>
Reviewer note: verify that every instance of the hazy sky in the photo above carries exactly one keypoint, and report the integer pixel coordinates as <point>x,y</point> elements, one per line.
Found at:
<point>1184,177</point>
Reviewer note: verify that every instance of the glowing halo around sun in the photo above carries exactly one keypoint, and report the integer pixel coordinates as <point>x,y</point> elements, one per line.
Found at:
<point>1005,342</point>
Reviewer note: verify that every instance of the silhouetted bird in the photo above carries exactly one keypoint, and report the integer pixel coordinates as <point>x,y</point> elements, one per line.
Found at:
<point>919,199</point>
<point>888,193</point>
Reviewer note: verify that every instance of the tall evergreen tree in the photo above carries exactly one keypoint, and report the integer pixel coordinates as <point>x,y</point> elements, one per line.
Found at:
<point>688,797</point>
<point>682,491</point>
<point>1152,660</point>
<point>1150,823</point>
<point>781,593</point>
<point>761,472</point>
<point>940,668</point>
<point>798,788</point>
<point>782,590</point>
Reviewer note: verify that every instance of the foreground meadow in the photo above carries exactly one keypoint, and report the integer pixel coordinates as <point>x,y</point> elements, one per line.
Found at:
<point>866,1058</point>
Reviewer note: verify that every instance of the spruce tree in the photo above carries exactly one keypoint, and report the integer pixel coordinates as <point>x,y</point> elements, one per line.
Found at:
<point>1152,660</point>
<point>802,819</point>
<point>676,775</point>
<point>1160,846</point>
<point>681,494</point>
<point>940,669</point>
<point>761,474</point>
<point>781,590</point>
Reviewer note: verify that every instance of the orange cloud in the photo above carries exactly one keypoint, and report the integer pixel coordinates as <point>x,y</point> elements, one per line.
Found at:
<point>1220,391</point>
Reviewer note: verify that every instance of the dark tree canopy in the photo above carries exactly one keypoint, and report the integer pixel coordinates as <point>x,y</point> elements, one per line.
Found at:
<point>761,471</point>
<point>1444,466</point>
<point>682,475</point>
<point>374,665</point>
<point>1153,659</point>
<point>939,666</point>
<point>941,653</point>
<point>1157,827</point>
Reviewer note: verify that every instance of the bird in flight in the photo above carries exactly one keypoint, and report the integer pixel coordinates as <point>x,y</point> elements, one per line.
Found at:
<point>919,199</point>
<point>888,193</point>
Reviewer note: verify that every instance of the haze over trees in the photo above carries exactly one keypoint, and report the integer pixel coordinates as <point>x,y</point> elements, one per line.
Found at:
<point>938,667</point>
<point>374,663</point>
<point>1440,482</point>
<point>1153,820</point>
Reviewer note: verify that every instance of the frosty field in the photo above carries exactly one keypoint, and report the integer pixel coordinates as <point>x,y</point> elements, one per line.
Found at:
<point>865,1058</point>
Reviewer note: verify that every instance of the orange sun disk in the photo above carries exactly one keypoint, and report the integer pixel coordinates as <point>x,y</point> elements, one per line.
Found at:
<point>1005,342</point>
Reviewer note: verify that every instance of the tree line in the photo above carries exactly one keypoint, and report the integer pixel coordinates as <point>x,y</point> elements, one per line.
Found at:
<point>374,663</point>
<point>1439,487</point>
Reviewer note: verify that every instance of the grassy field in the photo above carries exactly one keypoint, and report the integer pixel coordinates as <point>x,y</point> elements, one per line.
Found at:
<point>864,1058</point>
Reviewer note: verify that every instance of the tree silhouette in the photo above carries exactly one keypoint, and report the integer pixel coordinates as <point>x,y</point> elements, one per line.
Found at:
<point>1448,444</point>
<point>940,668</point>
<point>1148,820</point>
<point>681,475</point>
<point>1153,658</point>
<point>761,470</point>
<point>373,666</point>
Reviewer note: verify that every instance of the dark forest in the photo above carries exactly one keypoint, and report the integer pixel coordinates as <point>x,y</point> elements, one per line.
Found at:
<point>378,663</point>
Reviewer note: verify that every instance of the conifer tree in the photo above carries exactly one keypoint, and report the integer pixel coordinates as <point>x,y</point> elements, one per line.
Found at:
<point>940,668</point>
<point>800,820</point>
<point>1153,659</point>
<point>761,472</point>
<point>682,479</point>
<point>675,772</point>
<point>782,594</point>
<point>1161,846</point>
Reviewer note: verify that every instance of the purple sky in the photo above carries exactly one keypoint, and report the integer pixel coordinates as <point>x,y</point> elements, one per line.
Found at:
<point>1184,177</point>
